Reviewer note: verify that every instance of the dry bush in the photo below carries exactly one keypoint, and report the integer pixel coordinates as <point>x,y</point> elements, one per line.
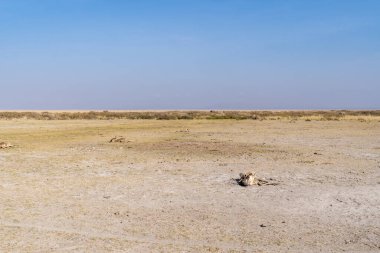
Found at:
<point>335,115</point>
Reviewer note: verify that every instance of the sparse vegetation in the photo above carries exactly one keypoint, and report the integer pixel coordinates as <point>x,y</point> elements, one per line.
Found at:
<point>188,115</point>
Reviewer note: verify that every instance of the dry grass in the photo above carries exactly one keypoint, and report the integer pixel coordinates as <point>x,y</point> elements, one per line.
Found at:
<point>373,115</point>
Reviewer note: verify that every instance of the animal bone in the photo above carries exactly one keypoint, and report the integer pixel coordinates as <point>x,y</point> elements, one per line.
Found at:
<point>247,179</point>
<point>5,145</point>
<point>118,139</point>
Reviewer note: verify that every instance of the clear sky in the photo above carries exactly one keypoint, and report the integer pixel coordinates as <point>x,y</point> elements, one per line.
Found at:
<point>189,54</point>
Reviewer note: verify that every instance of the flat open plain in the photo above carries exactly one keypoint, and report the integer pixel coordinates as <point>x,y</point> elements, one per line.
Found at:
<point>170,187</point>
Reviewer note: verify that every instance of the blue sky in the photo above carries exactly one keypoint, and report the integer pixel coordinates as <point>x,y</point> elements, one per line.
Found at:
<point>189,54</point>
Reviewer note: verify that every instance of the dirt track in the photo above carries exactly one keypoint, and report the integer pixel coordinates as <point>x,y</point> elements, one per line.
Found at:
<point>169,187</point>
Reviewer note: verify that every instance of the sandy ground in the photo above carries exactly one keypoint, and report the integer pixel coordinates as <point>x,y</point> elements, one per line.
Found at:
<point>170,187</point>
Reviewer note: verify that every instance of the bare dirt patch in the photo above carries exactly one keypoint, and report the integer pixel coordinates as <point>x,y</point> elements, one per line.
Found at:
<point>64,188</point>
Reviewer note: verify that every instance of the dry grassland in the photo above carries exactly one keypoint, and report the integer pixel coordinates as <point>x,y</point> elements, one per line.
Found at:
<point>327,115</point>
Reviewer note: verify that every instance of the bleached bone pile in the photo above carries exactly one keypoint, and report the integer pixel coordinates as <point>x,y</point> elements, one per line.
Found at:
<point>5,145</point>
<point>250,178</point>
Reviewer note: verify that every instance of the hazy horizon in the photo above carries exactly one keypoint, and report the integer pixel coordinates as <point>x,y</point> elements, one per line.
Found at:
<point>175,55</point>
